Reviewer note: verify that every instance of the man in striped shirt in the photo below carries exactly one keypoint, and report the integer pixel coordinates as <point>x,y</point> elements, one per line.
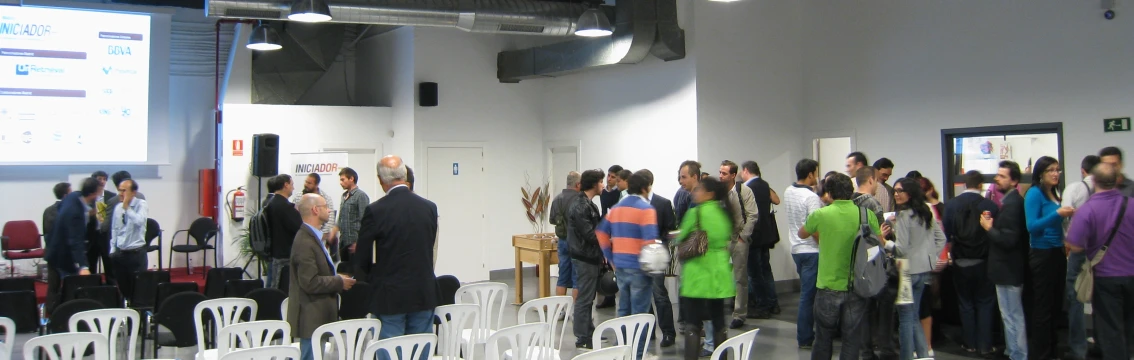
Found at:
<point>630,225</point>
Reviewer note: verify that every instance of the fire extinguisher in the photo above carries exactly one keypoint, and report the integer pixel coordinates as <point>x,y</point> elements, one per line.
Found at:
<point>236,208</point>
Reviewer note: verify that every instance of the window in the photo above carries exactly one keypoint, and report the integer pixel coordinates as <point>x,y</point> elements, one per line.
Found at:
<point>983,148</point>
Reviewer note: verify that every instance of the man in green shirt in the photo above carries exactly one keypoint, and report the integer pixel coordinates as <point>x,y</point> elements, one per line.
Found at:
<point>835,228</point>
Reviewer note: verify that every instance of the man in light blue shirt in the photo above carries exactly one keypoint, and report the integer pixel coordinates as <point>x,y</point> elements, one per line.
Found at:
<point>128,236</point>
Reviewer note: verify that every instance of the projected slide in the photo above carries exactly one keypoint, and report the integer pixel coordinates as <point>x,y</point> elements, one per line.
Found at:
<point>74,86</point>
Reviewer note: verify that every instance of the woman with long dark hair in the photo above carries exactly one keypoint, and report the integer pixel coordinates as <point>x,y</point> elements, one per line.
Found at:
<point>918,239</point>
<point>932,295</point>
<point>1046,260</point>
<point>706,280</point>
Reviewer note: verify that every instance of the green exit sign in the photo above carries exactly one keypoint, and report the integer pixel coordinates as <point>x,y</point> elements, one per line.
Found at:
<point>1116,124</point>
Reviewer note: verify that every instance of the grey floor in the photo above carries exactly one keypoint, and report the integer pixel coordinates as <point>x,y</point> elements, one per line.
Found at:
<point>776,339</point>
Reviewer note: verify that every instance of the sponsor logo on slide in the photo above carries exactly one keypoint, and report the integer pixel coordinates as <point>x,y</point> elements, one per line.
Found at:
<point>118,50</point>
<point>27,69</point>
<point>118,71</point>
<point>18,29</point>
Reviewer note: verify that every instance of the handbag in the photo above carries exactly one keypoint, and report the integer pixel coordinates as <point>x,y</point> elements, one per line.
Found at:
<point>1085,283</point>
<point>695,244</point>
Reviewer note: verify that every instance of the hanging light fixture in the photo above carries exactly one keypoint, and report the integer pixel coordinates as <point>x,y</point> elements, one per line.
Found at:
<point>310,11</point>
<point>593,23</point>
<point>264,37</point>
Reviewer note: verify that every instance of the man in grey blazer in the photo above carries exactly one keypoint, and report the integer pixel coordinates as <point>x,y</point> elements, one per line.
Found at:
<point>314,283</point>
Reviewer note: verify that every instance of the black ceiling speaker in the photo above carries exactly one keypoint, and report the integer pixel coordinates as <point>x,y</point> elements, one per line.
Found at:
<point>427,94</point>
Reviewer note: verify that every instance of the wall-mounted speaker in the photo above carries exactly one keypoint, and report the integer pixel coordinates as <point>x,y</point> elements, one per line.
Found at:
<point>427,94</point>
<point>265,154</point>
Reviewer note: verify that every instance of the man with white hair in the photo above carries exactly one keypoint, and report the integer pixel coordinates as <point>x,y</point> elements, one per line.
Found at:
<point>559,219</point>
<point>395,254</point>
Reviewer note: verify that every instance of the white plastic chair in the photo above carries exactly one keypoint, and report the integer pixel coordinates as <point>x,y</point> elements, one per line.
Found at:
<point>279,352</point>
<point>522,339</point>
<point>547,311</point>
<point>251,334</point>
<point>454,319</point>
<point>741,346</point>
<point>67,346</point>
<point>283,310</point>
<point>622,352</point>
<point>628,330</point>
<point>225,312</point>
<point>110,323</point>
<point>489,296</point>
<point>405,347</point>
<point>349,337</point>
<point>9,328</point>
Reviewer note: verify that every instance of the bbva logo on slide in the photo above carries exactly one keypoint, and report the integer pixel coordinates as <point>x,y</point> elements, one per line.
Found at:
<point>28,69</point>
<point>118,50</point>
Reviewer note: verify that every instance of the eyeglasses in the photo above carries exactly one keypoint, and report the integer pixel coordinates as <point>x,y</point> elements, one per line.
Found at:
<point>899,190</point>
<point>1054,171</point>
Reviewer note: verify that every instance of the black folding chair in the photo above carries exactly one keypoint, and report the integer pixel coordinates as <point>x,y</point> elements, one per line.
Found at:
<point>18,284</point>
<point>217,278</point>
<point>20,307</point>
<point>107,295</point>
<point>145,288</point>
<point>71,284</point>
<point>285,280</point>
<point>447,286</point>
<point>241,288</point>
<point>154,231</point>
<point>176,315</point>
<point>200,231</point>
<point>57,322</point>
<point>268,302</point>
<point>167,290</point>
<point>354,302</point>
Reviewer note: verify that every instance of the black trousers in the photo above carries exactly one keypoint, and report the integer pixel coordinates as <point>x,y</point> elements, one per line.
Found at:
<point>125,264</point>
<point>664,307</point>
<point>1113,305</point>
<point>1048,269</point>
<point>977,301</point>
<point>697,311</point>
<point>98,247</point>
<point>878,325</point>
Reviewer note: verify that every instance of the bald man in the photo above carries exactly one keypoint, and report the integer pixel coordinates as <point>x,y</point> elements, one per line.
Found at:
<point>314,283</point>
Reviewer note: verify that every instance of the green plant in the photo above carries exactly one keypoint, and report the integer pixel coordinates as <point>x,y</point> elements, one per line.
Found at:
<point>245,246</point>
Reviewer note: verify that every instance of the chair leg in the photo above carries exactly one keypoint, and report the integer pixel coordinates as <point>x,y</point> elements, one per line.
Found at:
<point>188,267</point>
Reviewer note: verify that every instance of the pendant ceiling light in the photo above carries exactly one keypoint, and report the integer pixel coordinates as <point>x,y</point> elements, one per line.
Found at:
<point>593,23</point>
<point>264,37</point>
<point>310,11</point>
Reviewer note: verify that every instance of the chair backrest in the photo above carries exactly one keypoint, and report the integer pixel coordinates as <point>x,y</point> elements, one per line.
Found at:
<point>224,312</point>
<point>453,320</point>
<point>741,346</point>
<point>110,323</point>
<point>168,289</point>
<point>405,347</point>
<point>145,287</point>
<point>172,315</point>
<point>521,339</point>
<point>202,229</point>
<point>217,278</point>
<point>59,321</point>
<point>448,285</point>
<point>71,284</point>
<point>349,337</point>
<point>269,303</point>
<point>21,235</point>
<point>621,352</point>
<point>9,328</point>
<point>241,287</point>
<point>489,296</point>
<point>279,352</point>
<point>252,334</point>
<point>628,330</point>
<point>67,346</point>
<point>107,295</point>
<point>17,284</point>
<point>283,309</point>
<point>153,230</point>
<point>548,310</point>
<point>20,307</point>
<point>355,303</point>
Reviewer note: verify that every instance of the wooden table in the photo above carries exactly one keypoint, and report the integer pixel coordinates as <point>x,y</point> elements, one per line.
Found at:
<point>539,249</point>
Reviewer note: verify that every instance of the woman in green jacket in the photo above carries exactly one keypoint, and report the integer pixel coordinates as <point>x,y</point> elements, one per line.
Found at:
<point>706,281</point>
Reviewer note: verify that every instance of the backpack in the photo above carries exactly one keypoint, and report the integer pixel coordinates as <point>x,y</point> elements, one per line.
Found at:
<point>259,232</point>
<point>868,274</point>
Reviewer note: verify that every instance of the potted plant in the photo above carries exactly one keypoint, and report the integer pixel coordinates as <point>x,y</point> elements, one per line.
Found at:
<point>536,200</point>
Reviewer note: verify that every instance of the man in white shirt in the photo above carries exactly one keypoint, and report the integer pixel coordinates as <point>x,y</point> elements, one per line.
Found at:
<point>1075,196</point>
<point>799,202</point>
<point>128,236</point>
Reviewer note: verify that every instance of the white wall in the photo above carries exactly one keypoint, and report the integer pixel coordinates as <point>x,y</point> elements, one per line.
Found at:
<point>897,72</point>
<point>338,127</point>
<point>386,78</point>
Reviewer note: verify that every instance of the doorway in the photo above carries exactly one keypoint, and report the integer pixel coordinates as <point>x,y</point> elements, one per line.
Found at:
<point>455,182</point>
<point>832,154</point>
<point>564,159</point>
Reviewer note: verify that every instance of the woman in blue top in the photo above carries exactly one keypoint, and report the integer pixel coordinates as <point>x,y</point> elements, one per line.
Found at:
<point>1046,260</point>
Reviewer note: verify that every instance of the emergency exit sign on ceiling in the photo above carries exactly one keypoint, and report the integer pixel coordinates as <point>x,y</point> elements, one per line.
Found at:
<point>1116,124</point>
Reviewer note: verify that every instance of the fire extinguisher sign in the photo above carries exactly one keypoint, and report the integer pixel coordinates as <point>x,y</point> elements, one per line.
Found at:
<point>238,148</point>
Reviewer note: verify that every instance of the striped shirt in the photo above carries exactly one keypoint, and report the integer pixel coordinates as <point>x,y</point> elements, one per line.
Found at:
<point>629,226</point>
<point>350,215</point>
<point>799,203</point>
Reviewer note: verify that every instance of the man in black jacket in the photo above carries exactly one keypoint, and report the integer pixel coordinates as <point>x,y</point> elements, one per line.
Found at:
<point>66,247</point>
<point>970,253</point>
<point>586,256</point>
<point>283,222</point>
<point>1008,256</point>
<point>666,222</point>
<point>761,283</point>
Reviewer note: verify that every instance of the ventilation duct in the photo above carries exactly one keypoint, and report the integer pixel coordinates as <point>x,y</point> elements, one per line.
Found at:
<point>482,16</point>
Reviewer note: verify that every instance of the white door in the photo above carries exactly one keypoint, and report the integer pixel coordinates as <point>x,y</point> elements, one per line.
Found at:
<point>563,161</point>
<point>832,154</point>
<point>455,183</point>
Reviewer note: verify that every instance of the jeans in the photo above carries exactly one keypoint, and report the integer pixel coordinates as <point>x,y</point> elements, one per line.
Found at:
<point>1113,302</point>
<point>1048,269</point>
<point>125,264</point>
<point>305,349</point>
<point>274,273</point>
<point>840,311</point>
<point>1011,299</point>
<point>977,301</point>
<point>567,276</point>
<point>635,291</point>
<point>583,324</point>
<point>878,326</point>
<point>663,307</point>
<point>911,336</point>
<point>420,322</point>
<point>762,285</point>
<point>1076,319</point>
<point>739,254</point>
<point>807,265</point>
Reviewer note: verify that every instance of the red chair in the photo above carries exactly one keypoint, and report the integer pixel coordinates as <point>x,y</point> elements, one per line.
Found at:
<point>20,241</point>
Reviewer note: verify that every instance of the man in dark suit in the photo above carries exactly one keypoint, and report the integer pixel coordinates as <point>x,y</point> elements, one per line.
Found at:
<point>395,254</point>
<point>314,285</point>
<point>765,235</point>
<point>666,222</point>
<point>611,193</point>
<point>52,211</point>
<point>1008,257</point>
<point>66,250</point>
<point>283,223</point>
